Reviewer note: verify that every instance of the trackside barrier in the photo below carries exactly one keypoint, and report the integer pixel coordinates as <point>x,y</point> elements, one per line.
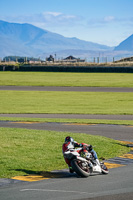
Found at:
<point>80,69</point>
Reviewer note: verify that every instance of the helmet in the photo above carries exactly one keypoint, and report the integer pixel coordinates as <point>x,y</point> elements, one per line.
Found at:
<point>69,139</point>
<point>89,148</point>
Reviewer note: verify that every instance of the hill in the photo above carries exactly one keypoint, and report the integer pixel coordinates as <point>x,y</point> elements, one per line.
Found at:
<point>29,40</point>
<point>126,45</point>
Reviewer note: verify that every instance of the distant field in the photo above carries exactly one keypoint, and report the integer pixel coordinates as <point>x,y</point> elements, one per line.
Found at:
<point>66,79</point>
<point>66,102</point>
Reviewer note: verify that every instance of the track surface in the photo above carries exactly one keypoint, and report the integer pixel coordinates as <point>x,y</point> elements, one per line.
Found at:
<point>76,89</point>
<point>112,131</point>
<point>72,116</point>
<point>118,184</point>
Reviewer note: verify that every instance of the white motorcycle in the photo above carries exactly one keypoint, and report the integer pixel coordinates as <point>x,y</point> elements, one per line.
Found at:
<point>84,166</point>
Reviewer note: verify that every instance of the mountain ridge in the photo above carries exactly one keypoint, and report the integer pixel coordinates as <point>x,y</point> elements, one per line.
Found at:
<point>29,40</point>
<point>125,45</point>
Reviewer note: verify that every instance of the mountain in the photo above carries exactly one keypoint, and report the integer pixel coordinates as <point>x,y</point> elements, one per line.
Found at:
<point>28,40</point>
<point>126,45</point>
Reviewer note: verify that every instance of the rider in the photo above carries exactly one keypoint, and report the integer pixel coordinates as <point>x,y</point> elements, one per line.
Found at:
<point>71,144</point>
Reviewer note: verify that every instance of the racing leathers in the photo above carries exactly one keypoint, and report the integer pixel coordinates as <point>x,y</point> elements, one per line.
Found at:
<point>86,148</point>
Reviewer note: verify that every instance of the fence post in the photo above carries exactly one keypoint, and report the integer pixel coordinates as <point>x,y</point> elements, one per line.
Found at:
<point>113,59</point>
<point>4,68</point>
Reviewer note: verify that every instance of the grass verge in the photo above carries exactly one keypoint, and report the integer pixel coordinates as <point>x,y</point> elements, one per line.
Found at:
<point>66,79</point>
<point>66,102</point>
<point>25,152</point>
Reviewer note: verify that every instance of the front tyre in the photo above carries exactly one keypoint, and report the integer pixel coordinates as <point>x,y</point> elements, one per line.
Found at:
<point>104,169</point>
<point>80,168</point>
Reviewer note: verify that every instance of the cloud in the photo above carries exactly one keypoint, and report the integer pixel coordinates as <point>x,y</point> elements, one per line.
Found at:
<point>48,19</point>
<point>55,14</point>
<point>97,22</point>
<point>107,20</point>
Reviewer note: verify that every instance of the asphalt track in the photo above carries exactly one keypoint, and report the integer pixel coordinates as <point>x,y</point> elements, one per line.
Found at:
<point>117,132</point>
<point>117,185</point>
<point>71,116</point>
<point>76,89</point>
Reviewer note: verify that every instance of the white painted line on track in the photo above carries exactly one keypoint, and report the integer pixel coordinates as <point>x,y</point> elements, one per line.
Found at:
<point>46,190</point>
<point>91,194</point>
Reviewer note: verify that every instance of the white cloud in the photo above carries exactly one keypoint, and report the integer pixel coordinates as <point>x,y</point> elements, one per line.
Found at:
<point>55,14</point>
<point>100,22</point>
<point>48,19</point>
<point>109,18</point>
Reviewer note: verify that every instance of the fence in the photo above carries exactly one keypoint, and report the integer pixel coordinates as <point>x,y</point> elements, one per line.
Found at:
<point>61,60</point>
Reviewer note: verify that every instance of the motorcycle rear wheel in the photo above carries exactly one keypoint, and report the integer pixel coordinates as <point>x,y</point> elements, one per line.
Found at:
<point>77,166</point>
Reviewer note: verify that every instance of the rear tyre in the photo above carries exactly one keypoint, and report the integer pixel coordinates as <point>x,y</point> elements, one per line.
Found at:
<point>80,169</point>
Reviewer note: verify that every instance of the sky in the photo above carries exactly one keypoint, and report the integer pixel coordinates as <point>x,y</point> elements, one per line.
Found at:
<point>107,22</point>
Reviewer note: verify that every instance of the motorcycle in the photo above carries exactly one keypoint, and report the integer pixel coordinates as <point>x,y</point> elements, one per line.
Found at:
<point>82,165</point>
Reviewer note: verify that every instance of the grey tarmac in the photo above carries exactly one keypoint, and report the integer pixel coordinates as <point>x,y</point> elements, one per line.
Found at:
<point>117,184</point>
<point>72,89</point>
<point>71,116</point>
<point>117,132</point>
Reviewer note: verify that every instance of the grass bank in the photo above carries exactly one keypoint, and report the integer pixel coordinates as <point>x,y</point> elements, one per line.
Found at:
<point>66,102</point>
<point>34,151</point>
<point>66,79</point>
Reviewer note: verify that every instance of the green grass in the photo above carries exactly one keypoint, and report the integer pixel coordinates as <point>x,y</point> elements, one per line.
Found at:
<point>66,79</point>
<point>61,120</point>
<point>66,102</point>
<point>25,151</point>
<point>33,151</point>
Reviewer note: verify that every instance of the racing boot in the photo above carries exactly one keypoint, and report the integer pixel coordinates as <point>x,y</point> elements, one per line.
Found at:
<point>97,161</point>
<point>71,170</point>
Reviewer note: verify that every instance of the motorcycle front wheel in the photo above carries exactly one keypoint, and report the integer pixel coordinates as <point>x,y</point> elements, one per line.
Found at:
<point>104,169</point>
<point>80,169</point>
